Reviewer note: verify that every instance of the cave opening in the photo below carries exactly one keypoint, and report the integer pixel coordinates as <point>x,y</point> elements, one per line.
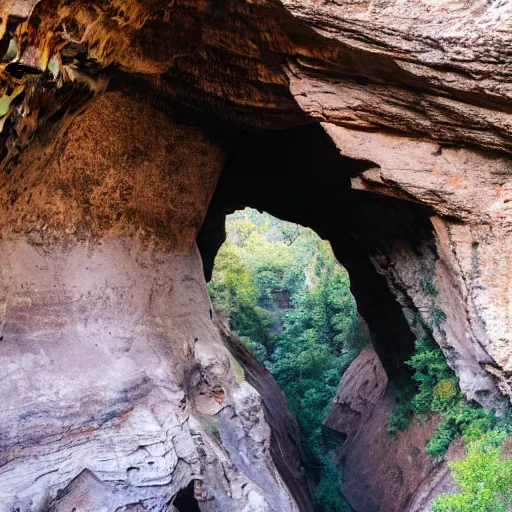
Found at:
<point>185,500</point>
<point>283,294</point>
<point>298,176</point>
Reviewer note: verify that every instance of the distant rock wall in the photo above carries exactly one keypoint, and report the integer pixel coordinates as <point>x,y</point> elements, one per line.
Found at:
<point>382,472</point>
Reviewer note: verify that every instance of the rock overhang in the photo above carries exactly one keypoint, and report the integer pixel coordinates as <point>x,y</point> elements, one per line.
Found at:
<point>117,118</point>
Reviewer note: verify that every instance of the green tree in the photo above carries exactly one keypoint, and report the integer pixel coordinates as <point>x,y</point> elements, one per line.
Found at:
<point>306,348</point>
<point>234,293</point>
<point>483,476</point>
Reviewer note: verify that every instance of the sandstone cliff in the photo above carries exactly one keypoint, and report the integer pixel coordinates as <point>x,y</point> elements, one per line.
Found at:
<point>117,391</point>
<point>385,126</point>
<point>383,471</point>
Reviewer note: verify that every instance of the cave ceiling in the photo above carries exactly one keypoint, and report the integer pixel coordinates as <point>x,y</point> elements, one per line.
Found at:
<point>418,91</point>
<point>434,70</point>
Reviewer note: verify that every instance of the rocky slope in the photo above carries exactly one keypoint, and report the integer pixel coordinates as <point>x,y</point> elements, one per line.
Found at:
<point>385,126</point>
<point>381,471</point>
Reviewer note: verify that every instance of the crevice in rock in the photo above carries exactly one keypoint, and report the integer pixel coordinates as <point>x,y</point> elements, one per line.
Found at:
<point>185,500</point>
<point>299,176</point>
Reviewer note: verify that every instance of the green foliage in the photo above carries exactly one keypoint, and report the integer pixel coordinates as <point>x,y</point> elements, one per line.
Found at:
<point>306,348</point>
<point>440,441</point>
<point>484,477</point>
<point>233,290</point>
<point>437,316</point>
<point>428,287</point>
<point>324,499</point>
<point>403,390</point>
<point>419,397</point>
<point>430,371</point>
<point>436,390</point>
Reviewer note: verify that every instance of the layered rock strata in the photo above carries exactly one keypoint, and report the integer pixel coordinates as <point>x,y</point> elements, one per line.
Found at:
<point>404,167</point>
<point>433,77</point>
<point>117,391</point>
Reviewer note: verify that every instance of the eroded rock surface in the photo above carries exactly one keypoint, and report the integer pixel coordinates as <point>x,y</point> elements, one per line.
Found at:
<point>111,149</point>
<point>381,471</point>
<point>285,443</point>
<point>431,76</point>
<point>117,390</point>
<point>459,281</point>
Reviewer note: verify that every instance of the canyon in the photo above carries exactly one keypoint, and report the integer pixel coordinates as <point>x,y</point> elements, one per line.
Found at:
<point>129,129</point>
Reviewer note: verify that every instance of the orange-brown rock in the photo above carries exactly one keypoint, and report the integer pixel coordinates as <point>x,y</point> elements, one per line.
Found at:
<point>382,471</point>
<point>384,125</point>
<point>111,363</point>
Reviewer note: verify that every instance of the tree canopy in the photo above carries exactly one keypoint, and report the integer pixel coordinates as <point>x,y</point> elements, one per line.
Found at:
<point>282,291</point>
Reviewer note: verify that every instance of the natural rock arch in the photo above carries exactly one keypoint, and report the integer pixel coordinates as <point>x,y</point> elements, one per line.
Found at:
<point>390,243</point>
<point>118,117</point>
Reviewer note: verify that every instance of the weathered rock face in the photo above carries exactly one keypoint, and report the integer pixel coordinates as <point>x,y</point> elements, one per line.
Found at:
<point>116,387</point>
<point>404,166</point>
<point>457,279</point>
<point>380,471</point>
<point>431,72</point>
<point>285,444</point>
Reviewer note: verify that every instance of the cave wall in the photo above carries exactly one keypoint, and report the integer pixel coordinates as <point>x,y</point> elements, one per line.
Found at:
<point>117,389</point>
<point>117,117</point>
<point>458,279</point>
<point>424,106</point>
<point>285,443</point>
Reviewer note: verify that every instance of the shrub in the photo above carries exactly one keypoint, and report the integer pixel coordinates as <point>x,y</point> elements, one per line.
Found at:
<point>484,478</point>
<point>437,391</point>
<point>403,390</point>
<point>445,390</point>
<point>430,371</point>
<point>400,418</point>
<point>441,439</point>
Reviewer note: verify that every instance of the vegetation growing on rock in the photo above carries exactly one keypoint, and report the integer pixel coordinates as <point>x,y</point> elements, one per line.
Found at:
<point>484,477</point>
<point>435,390</point>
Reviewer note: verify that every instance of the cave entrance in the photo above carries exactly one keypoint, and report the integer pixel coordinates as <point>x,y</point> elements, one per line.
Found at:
<point>185,500</point>
<point>298,176</point>
<point>281,290</point>
<point>270,274</point>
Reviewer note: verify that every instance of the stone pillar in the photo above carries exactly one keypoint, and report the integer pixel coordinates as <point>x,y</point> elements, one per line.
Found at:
<point>112,372</point>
